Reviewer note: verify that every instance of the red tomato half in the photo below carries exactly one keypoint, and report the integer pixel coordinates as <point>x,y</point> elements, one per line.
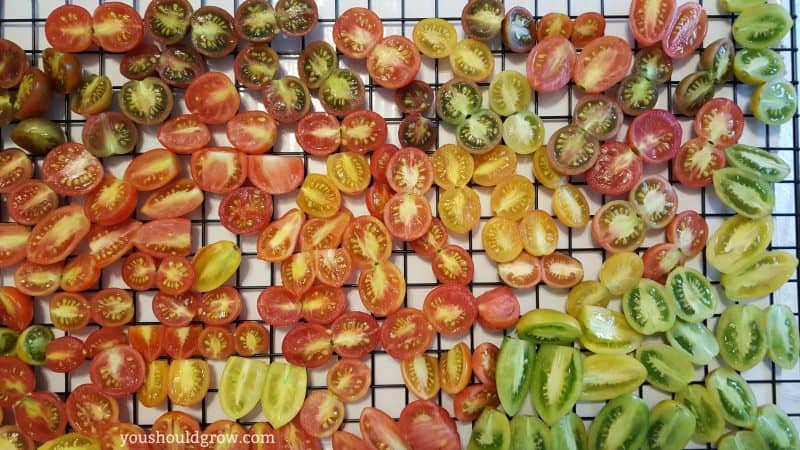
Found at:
<point>15,166</point>
<point>184,134</point>
<point>410,170</point>
<point>250,338</point>
<point>278,306</point>
<point>322,414</point>
<point>38,280</point>
<point>69,29</point>
<point>13,243</point>
<point>57,235</point>
<point>342,440</point>
<point>376,198</point>
<point>616,170</point>
<point>406,333</point>
<point>318,133</point>
<point>148,340</point>
<point>432,241</point>
<point>394,62</point>
<point>30,201</point>
<point>16,380</point>
<point>688,230</point>
<point>696,161</point>
<point>69,311</point>
<point>112,202</point>
<point>452,264</point>
<point>40,416</point>
<point>90,411</point>
<point>108,244</point>
<point>428,426</point>
<point>173,426</point>
<point>212,98</point>
<point>139,271</point>
<point>181,342</point>
<point>659,260</point>
<point>175,275</point>
<point>220,306</point>
<point>175,310</point>
<point>165,237</point>
<point>218,170</point>
<point>178,198</point>
<point>379,161</point>
<point>357,31</point>
<point>229,432</point>
<point>469,403</point>
<point>278,241</point>
<point>307,345</point>
<point>216,343</point>
<point>363,131</point>
<point>498,308</point>
<point>407,216</point>
<point>252,132</point>
<point>80,273</point>
<point>118,371</point>
<point>120,436</point>
<point>117,27</point>
<point>484,362</point>
<point>381,288</point>
<point>355,334</point>
<point>380,431</point>
<point>275,174</point>
<point>685,31</point>
<point>720,121</point>
<point>64,354</point>
<point>246,210</point>
<point>554,24</point>
<point>152,170</point>
<point>550,64</point>
<point>104,338</point>
<point>588,27</point>
<point>71,170</point>
<point>655,135</point>
<point>450,308</point>
<point>602,64</point>
<point>349,379</point>
<point>649,19</point>
<point>333,266</point>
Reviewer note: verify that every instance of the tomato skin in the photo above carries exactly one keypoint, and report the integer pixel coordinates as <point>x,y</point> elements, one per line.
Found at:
<point>71,170</point>
<point>252,132</point>
<point>51,421</point>
<point>212,98</point>
<point>484,362</point>
<point>275,174</point>
<point>246,210</point>
<point>450,308</point>
<point>542,75</point>
<point>406,333</point>
<point>616,170</point>
<point>112,202</point>
<point>685,30</point>
<point>42,248</point>
<point>17,380</point>
<point>147,340</point>
<point>616,58</point>
<point>355,334</point>
<point>650,32</point>
<point>152,170</point>
<point>307,345</point>
<point>117,27</point>
<point>184,134</point>
<point>68,28</point>
<point>655,135</point>
<point>469,403</point>
<point>278,306</point>
<point>218,170</point>
<point>64,354</point>
<point>84,406</point>
<point>30,201</point>
<point>165,237</point>
<point>498,308</point>
<point>689,231</point>
<point>428,426</point>
<point>13,243</point>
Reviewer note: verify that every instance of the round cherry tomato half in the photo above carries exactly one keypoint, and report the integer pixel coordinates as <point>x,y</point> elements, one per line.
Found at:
<point>218,170</point>
<point>71,170</point>
<point>588,27</point>
<point>30,201</point>
<point>357,31</point>
<point>450,308</point>
<point>407,216</point>
<point>618,227</point>
<point>16,380</point>
<point>307,345</point>
<point>484,362</point>
<point>452,264</point>
<point>175,310</point>
<point>179,65</point>
<point>41,416</point>
<point>659,260</point>
<point>367,240</point>
<point>550,63</point>
<point>255,66</point>
<point>685,30</point>
<point>318,133</point>
<point>278,306</point>
<point>250,338</point>
<point>696,161</point>
<point>381,288</point>
<point>220,306</point>
<point>117,27</point>
<point>68,28</point>
<point>252,132</point>
<point>393,62</point>
<point>286,99</point>
<point>216,343</point>
<point>410,170</point>
<point>689,231</point>
<point>469,403</point>
<point>212,98</point>
<point>602,64</point>
<point>720,121</point>
<point>363,131</point>
<point>349,379</point>
<point>333,266</point>
<point>524,271</point>
<point>13,243</point>
<point>118,371</point>
<point>655,199</point>
<point>322,304</point>
<point>173,425</point>
<point>406,333</point>
<point>246,210</point>
<point>91,411</point>
<point>104,338</point>
<point>655,135</point>
<point>498,308</point>
<point>183,134</point>
<point>322,413</point>
<point>139,271</point>
<point>616,170</point>
<point>64,354</point>
<point>120,436</point>
<point>15,169</point>
<point>38,280</point>
<point>355,334</point>
<point>112,202</point>
<point>561,271</point>
<point>427,425</point>
<point>80,273</point>
<point>140,62</point>
<point>649,20</point>
<point>554,24</point>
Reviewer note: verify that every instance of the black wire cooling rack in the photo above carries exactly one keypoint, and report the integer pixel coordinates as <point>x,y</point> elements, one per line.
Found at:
<point>23,22</point>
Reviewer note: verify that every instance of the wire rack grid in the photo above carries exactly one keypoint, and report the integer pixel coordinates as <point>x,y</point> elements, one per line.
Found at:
<point>23,22</point>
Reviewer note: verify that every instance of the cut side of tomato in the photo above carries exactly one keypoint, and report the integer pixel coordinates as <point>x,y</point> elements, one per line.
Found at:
<point>322,304</point>
<point>696,161</point>
<point>118,371</point>
<point>279,239</point>
<point>152,170</point>
<point>30,201</point>
<point>57,235</point>
<point>90,411</point>
<point>380,430</point>
<point>212,98</point>
<point>175,310</point>
<point>363,131</point>
<point>393,62</point>
<point>13,243</point>
<point>71,170</point>
<point>40,416</point>
<point>618,227</point>
<point>407,216</point>
<point>333,266</point>
<point>350,380</point>
<point>367,240</point>
<point>165,237</point>
<point>181,342</point>
<point>307,345</point>
<point>68,28</point>
<point>406,333</point>
<point>275,174</point>
<point>689,231</point>
<point>616,170</point>
<point>550,64</point>
<point>720,121</point>
<point>148,340</point>
<point>355,334</point>
<point>561,271</point>
<point>64,354</point>
<point>685,30</point>
<point>318,133</point>
<point>655,135</point>
<point>184,134</point>
<point>421,375</point>
<point>117,27</point>
<point>649,19</point>
<point>498,308</point>
<point>602,64</point>
<point>451,309</point>
<point>80,273</point>
<point>218,170</point>
<point>176,199</point>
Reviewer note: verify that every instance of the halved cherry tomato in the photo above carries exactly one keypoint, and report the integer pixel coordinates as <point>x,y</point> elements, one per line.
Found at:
<point>152,170</point>
<point>618,226</point>
<point>484,362</point>
<point>165,237</point>
<point>16,169</point>
<point>14,63</point>
<point>318,133</point>
<point>501,239</point>
<point>184,134</point>
<point>124,436</point>
<point>418,131</point>
<point>720,121</point>
<point>381,431</point>
<point>406,333</point>
<point>469,403</point>
<point>220,306</point>
<point>179,65</point>
<point>275,174</point>
<point>90,411</point>
<point>688,230</point>
<point>13,243</point>
<point>292,435</point>
<point>498,308</point>
<point>322,414</point>
<point>189,379</point>
<point>349,379</point>
<point>655,135</point>
<point>616,170</point>
<point>255,21</point>
<point>40,416</point>
<point>229,432</point>
<point>139,271</point>
<point>649,20</point>
<point>175,275</point>
<point>349,172</point>
<point>307,345</point>
<point>109,133</point>
<point>561,271</point>
<point>246,210</point>
<point>363,131</point>
<point>278,306</point>
<point>181,342</point>
<point>16,380</point>
<point>550,63</point>
<point>30,201</point>
<point>524,271</point>
<point>178,198</point>
<point>379,161</point>
<point>421,375</point>
<point>108,244</point>
<point>455,368</point>
<point>602,64</point>
<point>322,304</point>
<point>452,166</point>
<point>140,62</point>
<point>655,199</point>
<point>333,266</point>
<point>117,27</point>
<point>57,235</point>
<point>104,338</point>
<point>278,240</point>
<point>216,343</point>
<point>252,132</point>
<point>427,425</point>
<point>685,30</point>
<point>16,309</point>
<point>118,371</point>
<point>175,310</point>
<point>286,99</point>
<point>588,27</point>
<point>416,97</point>
<point>355,334</point>
<point>659,260</point>
<point>452,264</point>
<point>255,66</point>
<point>393,62</point>
<point>381,288</point>
<point>112,202</point>
<point>376,198</point>
<point>367,240</point>
<point>148,340</point>
<point>410,170</point>
<point>80,273</point>
<point>696,161</point>
<point>218,170</point>
<point>432,241</point>
<point>250,338</point>
<point>64,354</point>
<point>357,31</point>
<point>174,425</point>
<point>38,280</point>
<point>318,234</point>
<point>71,170</point>
<point>554,24</point>
<point>407,216</point>
<point>69,28</point>
<point>212,98</point>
